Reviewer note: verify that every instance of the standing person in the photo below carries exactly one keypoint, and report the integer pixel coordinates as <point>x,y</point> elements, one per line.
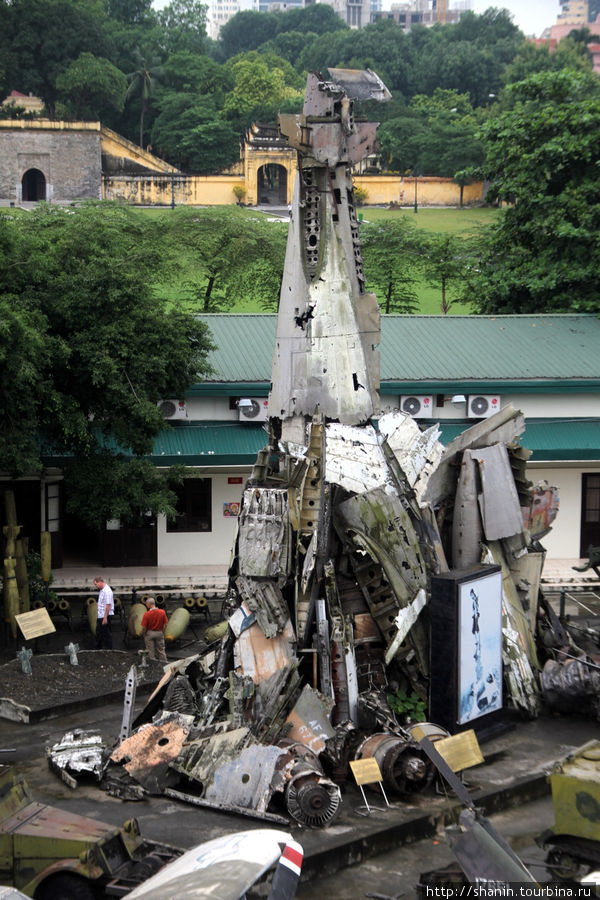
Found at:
<point>154,623</point>
<point>106,608</point>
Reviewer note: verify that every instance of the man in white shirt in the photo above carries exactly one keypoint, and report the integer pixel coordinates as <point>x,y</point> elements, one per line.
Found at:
<point>106,608</point>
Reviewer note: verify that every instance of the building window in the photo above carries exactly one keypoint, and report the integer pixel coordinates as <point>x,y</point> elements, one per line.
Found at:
<point>194,506</point>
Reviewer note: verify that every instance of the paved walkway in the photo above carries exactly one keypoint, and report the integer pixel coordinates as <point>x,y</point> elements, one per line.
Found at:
<point>213,579</point>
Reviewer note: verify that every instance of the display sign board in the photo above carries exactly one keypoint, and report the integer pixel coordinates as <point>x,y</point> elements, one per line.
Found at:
<point>36,623</point>
<point>366,771</point>
<point>466,647</point>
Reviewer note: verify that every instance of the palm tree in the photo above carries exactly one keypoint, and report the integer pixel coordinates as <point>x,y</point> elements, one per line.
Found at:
<point>142,83</point>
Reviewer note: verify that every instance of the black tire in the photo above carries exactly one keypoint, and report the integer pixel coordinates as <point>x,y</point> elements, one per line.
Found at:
<point>65,887</point>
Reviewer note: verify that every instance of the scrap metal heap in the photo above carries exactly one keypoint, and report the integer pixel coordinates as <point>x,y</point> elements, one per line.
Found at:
<point>345,519</point>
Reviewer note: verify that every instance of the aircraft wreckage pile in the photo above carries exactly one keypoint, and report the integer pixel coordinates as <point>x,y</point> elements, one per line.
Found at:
<point>348,515</point>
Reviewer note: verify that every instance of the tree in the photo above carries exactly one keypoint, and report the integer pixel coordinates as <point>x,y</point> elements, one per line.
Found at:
<point>42,37</point>
<point>142,83</point>
<point>183,24</point>
<point>447,265</point>
<point>190,133</point>
<point>260,81</point>
<point>543,154</point>
<point>86,347</point>
<point>237,257</point>
<point>390,251</point>
<point>91,84</point>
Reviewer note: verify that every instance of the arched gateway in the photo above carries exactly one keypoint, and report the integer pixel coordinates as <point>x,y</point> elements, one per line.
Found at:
<point>33,186</point>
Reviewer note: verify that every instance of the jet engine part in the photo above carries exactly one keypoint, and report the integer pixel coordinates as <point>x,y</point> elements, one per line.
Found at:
<point>405,768</point>
<point>311,798</point>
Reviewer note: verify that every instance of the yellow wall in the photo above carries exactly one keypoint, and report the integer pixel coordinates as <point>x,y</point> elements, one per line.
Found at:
<point>430,191</point>
<point>217,190</point>
<point>114,144</point>
<point>182,190</point>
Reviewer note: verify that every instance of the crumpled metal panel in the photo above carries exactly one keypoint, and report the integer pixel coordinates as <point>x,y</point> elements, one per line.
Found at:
<point>264,533</point>
<point>498,501</point>
<point>378,523</point>
<point>418,452</point>
<point>246,780</point>
<point>199,759</point>
<point>354,458</point>
<point>573,684</point>
<point>361,84</point>
<point>146,754</point>
<point>79,753</point>
<point>539,516</point>
<point>309,720</point>
<point>266,601</point>
<point>404,621</point>
<point>258,656</point>
<point>504,427</point>
<point>467,533</point>
<point>519,654</point>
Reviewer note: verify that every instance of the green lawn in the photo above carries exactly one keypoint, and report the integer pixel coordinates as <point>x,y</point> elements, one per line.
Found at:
<point>466,221</point>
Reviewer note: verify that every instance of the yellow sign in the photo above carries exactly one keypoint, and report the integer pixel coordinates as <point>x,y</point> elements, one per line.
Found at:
<point>461,751</point>
<point>35,623</point>
<point>366,771</point>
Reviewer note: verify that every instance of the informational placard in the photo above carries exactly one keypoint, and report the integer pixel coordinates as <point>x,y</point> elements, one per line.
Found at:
<point>34,624</point>
<point>461,751</point>
<point>366,771</point>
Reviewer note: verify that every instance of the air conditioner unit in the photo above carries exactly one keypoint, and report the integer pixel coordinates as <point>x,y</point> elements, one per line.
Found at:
<point>173,409</point>
<point>481,406</point>
<point>419,406</point>
<point>255,411</point>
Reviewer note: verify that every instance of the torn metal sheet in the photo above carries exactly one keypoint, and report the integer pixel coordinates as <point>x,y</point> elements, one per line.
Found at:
<point>378,523</point>
<point>258,656</point>
<point>354,458</point>
<point>519,654</point>
<point>526,572</point>
<point>498,501</point>
<point>466,522</point>
<point>505,426</point>
<point>266,601</point>
<point>309,722</point>
<point>241,619</point>
<point>272,700</point>
<point>146,754</point>
<point>78,753</point>
<point>418,452</point>
<point>246,780</point>
<point>264,533</point>
<point>199,759</point>
<point>404,621</point>
<point>539,516</point>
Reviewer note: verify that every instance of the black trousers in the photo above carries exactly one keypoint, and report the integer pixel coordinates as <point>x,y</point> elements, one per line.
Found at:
<point>103,635</point>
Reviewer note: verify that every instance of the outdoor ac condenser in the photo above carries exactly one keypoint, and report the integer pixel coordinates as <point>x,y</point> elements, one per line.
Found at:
<point>418,406</point>
<point>481,406</point>
<point>256,411</point>
<point>173,409</point>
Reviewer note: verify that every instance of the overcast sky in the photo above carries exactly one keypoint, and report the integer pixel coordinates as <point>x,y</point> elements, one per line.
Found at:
<point>532,16</point>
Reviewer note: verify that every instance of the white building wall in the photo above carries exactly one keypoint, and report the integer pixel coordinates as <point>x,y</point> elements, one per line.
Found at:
<point>199,548</point>
<point>564,539</point>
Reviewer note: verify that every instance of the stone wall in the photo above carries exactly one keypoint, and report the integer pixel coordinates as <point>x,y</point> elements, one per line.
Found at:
<point>68,156</point>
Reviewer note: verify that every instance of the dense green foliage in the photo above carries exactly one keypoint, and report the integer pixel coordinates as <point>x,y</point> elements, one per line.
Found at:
<point>544,158</point>
<point>87,349</point>
<point>192,98</point>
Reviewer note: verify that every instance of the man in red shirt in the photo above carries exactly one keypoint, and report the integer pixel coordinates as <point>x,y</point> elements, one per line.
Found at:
<point>154,622</point>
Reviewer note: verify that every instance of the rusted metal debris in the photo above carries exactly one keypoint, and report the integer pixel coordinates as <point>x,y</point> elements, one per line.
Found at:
<point>346,518</point>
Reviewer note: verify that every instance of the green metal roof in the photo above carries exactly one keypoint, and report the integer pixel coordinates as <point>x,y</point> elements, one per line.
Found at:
<point>549,439</point>
<point>214,444</point>
<point>428,354</point>
<point>237,443</point>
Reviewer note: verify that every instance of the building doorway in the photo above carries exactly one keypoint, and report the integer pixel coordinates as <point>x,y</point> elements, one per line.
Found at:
<point>272,185</point>
<point>590,513</point>
<point>33,186</point>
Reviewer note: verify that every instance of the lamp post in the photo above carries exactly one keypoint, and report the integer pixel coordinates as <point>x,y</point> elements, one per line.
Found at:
<point>416,177</point>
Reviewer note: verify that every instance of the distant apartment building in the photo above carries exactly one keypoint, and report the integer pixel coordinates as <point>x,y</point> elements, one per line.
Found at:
<point>423,12</point>
<point>220,11</point>
<point>574,13</point>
